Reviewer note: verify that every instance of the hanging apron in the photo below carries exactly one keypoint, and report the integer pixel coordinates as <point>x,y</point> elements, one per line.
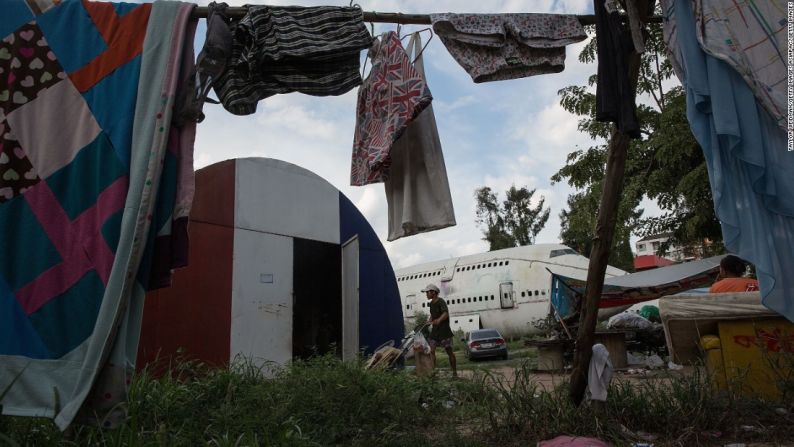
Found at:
<point>417,189</point>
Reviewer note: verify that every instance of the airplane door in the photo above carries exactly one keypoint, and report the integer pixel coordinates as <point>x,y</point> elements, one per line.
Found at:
<point>506,295</point>
<point>350,299</point>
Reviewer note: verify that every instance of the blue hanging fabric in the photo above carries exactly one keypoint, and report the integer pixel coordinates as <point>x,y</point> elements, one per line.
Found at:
<point>750,171</point>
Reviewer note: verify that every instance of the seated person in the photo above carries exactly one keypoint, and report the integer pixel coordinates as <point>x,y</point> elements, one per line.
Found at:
<point>730,278</point>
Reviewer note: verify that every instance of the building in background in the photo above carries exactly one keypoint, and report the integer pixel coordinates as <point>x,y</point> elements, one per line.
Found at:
<point>647,253</point>
<point>282,266</point>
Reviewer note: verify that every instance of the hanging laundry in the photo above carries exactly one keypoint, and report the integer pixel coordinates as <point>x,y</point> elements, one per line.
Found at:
<point>391,97</point>
<point>284,49</point>
<point>107,180</point>
<point>745,150</point>
<point>751,38</point>
<point>417,189</point>
<point>614,94</point>
<point>495,47</point>
<point>210,65</point>
<point>599,373</point>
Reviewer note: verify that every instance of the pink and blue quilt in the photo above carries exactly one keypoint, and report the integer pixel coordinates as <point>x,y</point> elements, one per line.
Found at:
<point>95,187</point>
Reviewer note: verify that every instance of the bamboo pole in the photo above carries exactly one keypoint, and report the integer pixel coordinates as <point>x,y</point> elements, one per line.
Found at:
<point>602,241</point>
<point>237,12</point>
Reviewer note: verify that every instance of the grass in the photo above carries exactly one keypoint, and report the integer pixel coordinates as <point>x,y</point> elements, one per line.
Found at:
<point>517,355</point>
<point>324,401</point>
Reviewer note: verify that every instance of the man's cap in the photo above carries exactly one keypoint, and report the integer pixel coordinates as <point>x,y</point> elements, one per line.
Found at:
<point>430,287</point>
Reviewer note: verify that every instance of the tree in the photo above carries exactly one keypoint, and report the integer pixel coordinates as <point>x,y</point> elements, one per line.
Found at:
<point>665,165</point>
<point>578,227</point>
<point>513,223</point>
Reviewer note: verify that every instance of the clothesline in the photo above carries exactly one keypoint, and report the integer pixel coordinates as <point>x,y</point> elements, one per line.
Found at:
<point>392,17</point>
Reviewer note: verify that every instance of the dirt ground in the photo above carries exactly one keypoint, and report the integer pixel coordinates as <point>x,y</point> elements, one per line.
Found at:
<point>549,380</point>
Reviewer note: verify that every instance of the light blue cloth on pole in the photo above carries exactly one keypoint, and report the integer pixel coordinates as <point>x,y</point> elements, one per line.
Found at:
<point>750,170</point>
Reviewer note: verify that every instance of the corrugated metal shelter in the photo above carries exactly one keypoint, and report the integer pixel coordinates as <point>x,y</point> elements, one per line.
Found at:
<point>282,265</point>
<point>566,293</point>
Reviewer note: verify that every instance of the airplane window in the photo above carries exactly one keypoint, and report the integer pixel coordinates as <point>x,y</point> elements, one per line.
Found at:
<point>489,264</point>
<point>492,298</point>
<point>470,320</point>
<point>480,298</point>
<point>500,263</point>
<point>470,299</point>
<point>407,307</point>
<point>543,292</point>
<point>565,251</point>
<point>457,269</point>
<point>507,262</point>
<point>522,294</point>
<point>456,321</point>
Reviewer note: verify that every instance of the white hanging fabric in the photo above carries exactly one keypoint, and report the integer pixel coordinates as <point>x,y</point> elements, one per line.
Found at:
<point>417,190</point>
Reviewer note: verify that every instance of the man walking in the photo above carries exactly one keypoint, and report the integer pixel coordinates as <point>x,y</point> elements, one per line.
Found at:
<point>441,334</point>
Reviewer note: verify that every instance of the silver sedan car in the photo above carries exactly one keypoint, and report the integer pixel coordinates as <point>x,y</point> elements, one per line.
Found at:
<point>484,343</point>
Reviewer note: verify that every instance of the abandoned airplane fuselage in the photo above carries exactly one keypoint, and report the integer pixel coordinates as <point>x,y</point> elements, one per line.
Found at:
<point>505,289</point>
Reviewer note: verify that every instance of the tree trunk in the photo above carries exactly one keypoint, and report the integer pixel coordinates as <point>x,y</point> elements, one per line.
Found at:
<point>602,242</point>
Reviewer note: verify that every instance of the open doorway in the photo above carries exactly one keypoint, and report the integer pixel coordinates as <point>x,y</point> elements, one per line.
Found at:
<point>317,300</point>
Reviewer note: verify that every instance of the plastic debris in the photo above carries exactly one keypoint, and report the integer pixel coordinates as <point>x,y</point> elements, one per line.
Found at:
<point>654,361</point>
<point>628,320</point>
<point>675,366</point>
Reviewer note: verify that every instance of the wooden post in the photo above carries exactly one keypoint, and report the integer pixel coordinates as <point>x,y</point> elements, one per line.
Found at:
<point>617,153</point>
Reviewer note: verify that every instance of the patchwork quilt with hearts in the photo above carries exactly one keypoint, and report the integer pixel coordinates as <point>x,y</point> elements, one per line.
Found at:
<point>95,190</point>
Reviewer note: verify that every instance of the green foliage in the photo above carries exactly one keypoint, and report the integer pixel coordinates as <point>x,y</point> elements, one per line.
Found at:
<point>513,223</point>
<point>578,224</point>
<point>666,165</point>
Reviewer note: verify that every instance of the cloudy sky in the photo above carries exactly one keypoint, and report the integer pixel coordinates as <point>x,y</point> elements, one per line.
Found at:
<point>495,134</point>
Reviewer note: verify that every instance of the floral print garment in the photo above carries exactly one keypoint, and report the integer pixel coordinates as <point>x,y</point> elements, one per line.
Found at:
<point>495,47</point>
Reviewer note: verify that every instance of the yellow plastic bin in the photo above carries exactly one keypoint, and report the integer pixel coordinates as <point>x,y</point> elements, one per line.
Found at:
<point>758,355</point>
<point>713,354</point>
